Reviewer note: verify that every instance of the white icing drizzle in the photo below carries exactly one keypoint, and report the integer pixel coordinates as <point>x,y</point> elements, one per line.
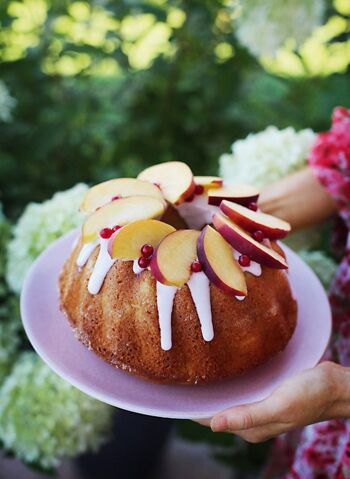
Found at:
<point>197,212</point>
<point>103,264</point>
<point>240,298</point>
<point>165,301</point>
<point>86,252</point>
<point>199,288</point>
<point>254,268</point>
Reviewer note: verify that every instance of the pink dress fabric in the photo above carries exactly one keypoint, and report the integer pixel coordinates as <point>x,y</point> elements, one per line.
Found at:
<point>322,451</point>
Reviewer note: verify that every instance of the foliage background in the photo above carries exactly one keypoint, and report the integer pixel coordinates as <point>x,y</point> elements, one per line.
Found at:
<point>104,88</point>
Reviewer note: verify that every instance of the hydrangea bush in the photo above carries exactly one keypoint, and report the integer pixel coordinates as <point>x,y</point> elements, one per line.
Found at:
<point>265,25</point>
<point>9,323</point>
<point>43,418</point>
<point>40,225</point>
<point>267,156</point>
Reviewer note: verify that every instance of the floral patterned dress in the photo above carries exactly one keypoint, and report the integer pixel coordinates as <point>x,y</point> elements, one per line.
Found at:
<point>322,451</point>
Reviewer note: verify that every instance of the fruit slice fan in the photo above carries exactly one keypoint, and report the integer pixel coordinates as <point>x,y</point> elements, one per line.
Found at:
<point>124,219</point>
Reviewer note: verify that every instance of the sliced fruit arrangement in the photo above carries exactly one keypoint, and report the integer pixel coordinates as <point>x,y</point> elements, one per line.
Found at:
<point>272,227</point>
<point>172,260</point>
<point>121,212</point>
<point>246,244</point>
<point>207,182</point>
<point>108,191</point>
<point>128,243</point>
<point>242,194</point>
<point>174,178</point>
<point>216,258</point>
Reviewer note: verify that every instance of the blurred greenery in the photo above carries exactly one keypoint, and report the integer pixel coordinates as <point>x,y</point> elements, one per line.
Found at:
<point>105,88</point>
<point>227,448</point>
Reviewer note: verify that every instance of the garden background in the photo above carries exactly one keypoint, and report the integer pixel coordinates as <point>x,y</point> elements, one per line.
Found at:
<point>95,90</point>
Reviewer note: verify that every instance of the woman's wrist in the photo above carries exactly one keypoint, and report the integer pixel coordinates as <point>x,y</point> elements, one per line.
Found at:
<point>338,378</point>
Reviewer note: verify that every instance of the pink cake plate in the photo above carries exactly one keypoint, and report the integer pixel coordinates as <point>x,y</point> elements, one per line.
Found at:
<point>53,339</point>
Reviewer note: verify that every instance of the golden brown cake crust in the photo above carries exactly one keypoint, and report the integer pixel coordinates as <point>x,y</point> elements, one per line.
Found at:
<point>120,324</point>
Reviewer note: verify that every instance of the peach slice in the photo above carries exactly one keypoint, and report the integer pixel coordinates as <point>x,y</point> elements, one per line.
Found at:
<point>171,262</point>
<point>121,212</point>
<point>245,244</point>
<point>272,227</point>
<point>221,268</point>
<point>174,178</point>
<point>208,181</point>
<point>242,194</point>
<point>128,241</point>
<point>103,193</point>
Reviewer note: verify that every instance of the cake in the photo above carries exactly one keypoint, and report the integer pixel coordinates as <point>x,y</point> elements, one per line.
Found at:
<point>178,279</point>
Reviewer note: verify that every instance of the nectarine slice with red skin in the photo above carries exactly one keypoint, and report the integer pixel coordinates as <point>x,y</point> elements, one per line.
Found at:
<point>127,243</point>
<point>175,180</point>
<point>272,227</point>
<point>245,244</point>
<point>219,264</point>
<point>208,181</point>
<point>172,259</point>
<point>242,194</point>
<point>104,193</point>
<point>121,212</point>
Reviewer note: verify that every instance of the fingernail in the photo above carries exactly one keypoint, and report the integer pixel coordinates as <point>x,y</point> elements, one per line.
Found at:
<point>219,423</point>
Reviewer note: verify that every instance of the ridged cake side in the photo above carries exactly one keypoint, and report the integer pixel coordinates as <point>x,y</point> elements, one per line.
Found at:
<point>120,324</point>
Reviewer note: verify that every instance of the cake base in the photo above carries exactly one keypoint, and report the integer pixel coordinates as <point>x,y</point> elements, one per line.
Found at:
<point>120,324</point>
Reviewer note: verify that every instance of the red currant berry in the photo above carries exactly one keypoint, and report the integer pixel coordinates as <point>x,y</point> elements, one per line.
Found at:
<point>143,262</point>
<point>244,260</point>
<point>116,197</point>
<point>253,206</point>
<point>199,189</point>
<point>116,228</point>
<point>106,233</point>
<point>196,266</point>
<point>147,250</point>
<point>258,236</point>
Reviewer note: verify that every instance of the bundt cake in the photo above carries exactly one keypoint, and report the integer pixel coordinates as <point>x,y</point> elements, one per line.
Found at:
<point>178,278</point>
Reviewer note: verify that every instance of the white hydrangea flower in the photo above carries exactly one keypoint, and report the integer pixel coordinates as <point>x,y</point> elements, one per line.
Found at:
<point>7,103</point>
<point>43,418</point>
<point>40,225</point>
<point>264,157</point>
<point>265,25</point>
<point>9,343</point>
<point>324,266</point>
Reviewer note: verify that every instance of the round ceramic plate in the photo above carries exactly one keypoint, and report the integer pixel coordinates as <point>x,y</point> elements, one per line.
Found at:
<point>53,339</point>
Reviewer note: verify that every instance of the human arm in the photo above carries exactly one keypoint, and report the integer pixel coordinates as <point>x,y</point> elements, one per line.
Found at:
<point>298,198</point>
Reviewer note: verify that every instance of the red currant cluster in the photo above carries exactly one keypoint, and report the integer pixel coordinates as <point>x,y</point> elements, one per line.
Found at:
<point>146,254</point>
<point>106,233</point>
